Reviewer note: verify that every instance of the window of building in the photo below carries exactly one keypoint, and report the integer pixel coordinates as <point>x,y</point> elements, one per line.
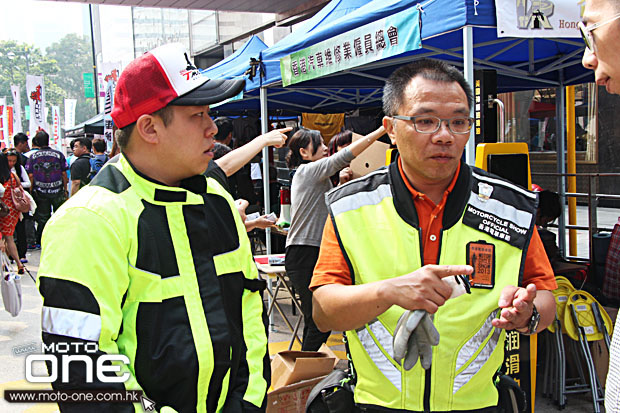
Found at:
<point>530,117</point>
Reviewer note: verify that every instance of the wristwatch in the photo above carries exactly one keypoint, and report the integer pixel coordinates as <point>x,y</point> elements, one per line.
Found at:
<point>532,324</point>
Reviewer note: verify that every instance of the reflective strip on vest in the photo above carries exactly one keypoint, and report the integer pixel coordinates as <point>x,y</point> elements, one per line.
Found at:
<point>469,349</point>
<point>504,184</point>
<point>71,323</point>
<point>384,338</point>
<point>501,209</point>
<point>361,199</point>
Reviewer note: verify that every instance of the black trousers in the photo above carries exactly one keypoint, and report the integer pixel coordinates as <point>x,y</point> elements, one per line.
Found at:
<point>299,263</point>
<point>45,205</point>
<point>20,236</point>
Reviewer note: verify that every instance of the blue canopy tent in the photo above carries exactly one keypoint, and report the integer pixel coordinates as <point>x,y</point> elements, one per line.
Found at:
<point>521,64</point>
<point>237,64</point>
<point>462,32</point>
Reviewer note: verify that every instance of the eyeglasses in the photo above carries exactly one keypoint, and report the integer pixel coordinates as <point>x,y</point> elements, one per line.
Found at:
<point>431,124</point>
<point>586,32</point>
<point>11,152</point>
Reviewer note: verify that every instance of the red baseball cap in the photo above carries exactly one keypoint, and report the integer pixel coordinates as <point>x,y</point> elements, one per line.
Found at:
<point>165,76</point>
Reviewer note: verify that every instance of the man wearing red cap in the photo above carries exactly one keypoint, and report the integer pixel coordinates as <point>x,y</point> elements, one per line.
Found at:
<point>162,274</point>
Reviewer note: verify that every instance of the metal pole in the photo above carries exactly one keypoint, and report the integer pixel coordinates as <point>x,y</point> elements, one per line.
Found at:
<point>571,168</point>
<point>592,224</point>
<point>264,123</point>
<point>560,138</point>
<point>502,119</point>
<point>92,43</point>
<point>26,54</point>
<point>468,67</point>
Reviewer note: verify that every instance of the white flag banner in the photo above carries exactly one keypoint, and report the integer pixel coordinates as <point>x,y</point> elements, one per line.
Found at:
<point>17,109</point>
<point>35,90</point>
<point>70,113</point>
<point>107,76</point>
<point>4,126</point>
<point>538,18</point>
<point>56,126</point>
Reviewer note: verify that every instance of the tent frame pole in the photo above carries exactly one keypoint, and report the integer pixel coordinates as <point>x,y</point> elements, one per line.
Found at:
<point>560,133</point>
<point>264,126</point>
<point>468,69</point>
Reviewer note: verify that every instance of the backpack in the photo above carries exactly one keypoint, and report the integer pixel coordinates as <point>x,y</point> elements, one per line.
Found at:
<point>96,163</point>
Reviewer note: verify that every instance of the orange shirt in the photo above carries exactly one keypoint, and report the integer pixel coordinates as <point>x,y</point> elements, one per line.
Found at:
<point>331,267</point>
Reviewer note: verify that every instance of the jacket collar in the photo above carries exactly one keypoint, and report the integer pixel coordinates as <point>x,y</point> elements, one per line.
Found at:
<point>153,190</point>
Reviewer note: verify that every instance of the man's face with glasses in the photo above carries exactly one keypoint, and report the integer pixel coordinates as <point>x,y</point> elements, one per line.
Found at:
<point>600,30</point>
<point>430,129</point>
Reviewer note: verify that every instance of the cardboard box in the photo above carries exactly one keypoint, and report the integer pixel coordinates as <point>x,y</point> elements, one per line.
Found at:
<point>291,398</point>
<point>370,160</point>
<point>289,367</point>
<point>600,357</point>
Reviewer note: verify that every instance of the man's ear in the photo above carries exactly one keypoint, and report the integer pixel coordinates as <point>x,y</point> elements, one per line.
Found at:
<point>388,124</point>
<point>148,127</point>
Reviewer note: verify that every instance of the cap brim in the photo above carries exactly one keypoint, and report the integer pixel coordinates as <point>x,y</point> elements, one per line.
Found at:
<point>210,92</point>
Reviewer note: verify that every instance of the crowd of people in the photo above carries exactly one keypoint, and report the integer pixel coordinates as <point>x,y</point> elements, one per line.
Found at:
<point>166,246</point>
<point>43,173</point>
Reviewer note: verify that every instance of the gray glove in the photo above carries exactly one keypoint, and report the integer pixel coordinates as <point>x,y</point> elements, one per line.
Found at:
<point>414,337</point>
<point>415,334</point>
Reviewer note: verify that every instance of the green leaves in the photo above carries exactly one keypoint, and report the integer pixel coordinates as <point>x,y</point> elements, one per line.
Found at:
<point>62,66</point>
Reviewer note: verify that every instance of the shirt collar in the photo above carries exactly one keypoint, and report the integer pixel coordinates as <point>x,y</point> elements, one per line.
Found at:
<point>414,192</point>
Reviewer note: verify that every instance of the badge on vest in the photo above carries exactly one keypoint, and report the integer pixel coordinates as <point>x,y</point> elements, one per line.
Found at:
<point>481,256</point>
<point>484,191</point>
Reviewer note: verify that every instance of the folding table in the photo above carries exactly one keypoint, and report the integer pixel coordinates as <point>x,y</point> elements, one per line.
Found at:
<point>277,271</point>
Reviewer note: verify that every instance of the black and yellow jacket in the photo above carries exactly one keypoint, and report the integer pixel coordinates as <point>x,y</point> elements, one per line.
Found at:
<point>165,276</point>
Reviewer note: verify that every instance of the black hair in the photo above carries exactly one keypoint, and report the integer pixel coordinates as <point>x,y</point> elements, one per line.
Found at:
<point>85,142</point>
<point>19,138</point>
<point>428,69</point>
<point>122,134</point>
<point>42,139</point>
<point>340,139</point>
<point>224,128</point>
<point>99,145</point>
<point>18,159</point>
<point>5,171</point>
<point>220,150</point>
<point>301,139</point>
<point>72,143</point>
<point>549,205</point>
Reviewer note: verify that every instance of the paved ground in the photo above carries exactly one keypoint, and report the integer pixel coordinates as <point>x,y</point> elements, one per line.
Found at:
<point>24,331</point>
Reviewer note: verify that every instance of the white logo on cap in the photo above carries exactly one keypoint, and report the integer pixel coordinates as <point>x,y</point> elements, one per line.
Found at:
<point>180,71</point>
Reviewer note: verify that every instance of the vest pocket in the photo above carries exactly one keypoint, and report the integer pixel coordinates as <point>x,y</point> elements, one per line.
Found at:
<point>476,352</point>
<point>377,341</point>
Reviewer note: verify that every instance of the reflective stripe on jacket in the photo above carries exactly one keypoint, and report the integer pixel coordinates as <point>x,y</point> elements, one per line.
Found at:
<point>377,227</point>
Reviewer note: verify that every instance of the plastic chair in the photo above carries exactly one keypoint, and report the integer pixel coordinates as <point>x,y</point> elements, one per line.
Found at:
<point>555,361</point>
<point>586,320</point>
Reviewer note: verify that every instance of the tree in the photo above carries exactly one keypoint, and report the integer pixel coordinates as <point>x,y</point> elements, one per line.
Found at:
<point>62,67</point>
<point>74,57</point>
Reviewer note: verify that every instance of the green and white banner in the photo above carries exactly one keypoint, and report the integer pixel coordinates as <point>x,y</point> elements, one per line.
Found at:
<point>374,41</point>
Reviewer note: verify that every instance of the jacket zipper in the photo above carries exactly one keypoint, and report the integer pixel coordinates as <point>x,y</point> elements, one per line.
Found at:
<point>427,375</point>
